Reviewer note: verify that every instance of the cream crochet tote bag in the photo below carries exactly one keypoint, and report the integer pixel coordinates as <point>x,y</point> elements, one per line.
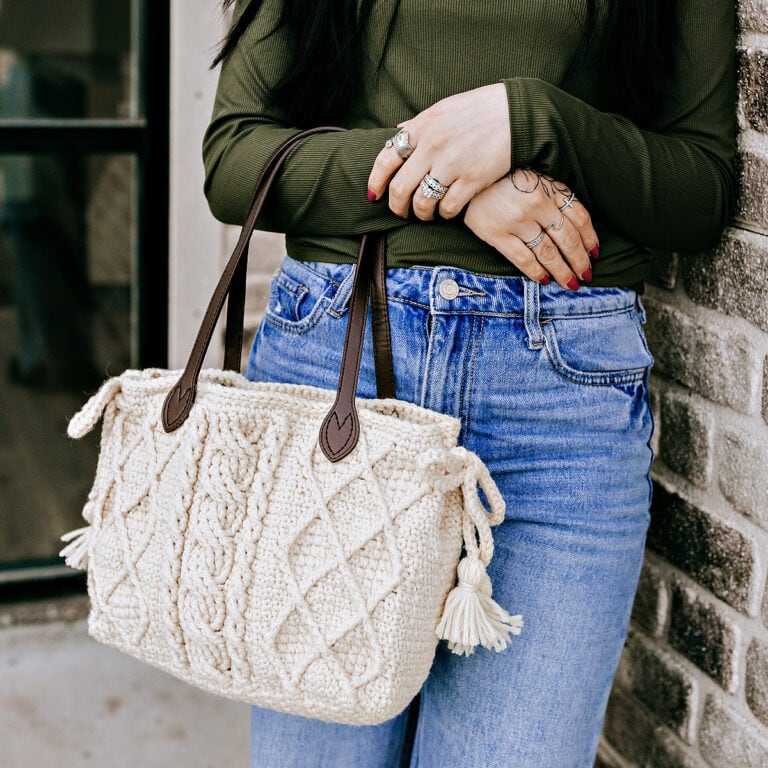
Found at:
<point>284,545</point>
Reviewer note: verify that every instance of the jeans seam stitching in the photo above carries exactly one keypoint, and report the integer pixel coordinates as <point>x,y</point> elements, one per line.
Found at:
<point>408,301</point>
<point>589,378</point>
<point>298,326</point>
<point>466,410</point>
<point>305,265</point>
<point>574,315</point>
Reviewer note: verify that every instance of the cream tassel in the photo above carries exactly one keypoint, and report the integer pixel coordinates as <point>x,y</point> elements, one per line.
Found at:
<point>75,554</point>
<point>471,617</point>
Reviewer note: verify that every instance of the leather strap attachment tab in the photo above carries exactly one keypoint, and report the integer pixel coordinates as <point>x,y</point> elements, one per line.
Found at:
<point>340,429</point>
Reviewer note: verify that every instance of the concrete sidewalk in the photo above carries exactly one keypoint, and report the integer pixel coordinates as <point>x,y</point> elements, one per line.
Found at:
<point>67,701</point>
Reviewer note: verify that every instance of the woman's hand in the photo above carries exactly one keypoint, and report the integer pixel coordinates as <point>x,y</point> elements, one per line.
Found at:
<point>463,141</point>
<point>524,205</point>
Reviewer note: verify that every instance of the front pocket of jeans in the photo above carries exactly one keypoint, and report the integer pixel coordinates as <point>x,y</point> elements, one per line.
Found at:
<point>295,305</point>
<point>600,350</point>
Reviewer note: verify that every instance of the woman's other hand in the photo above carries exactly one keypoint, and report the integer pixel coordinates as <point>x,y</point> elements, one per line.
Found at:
<point>463,141</point>
<point>537,223</point>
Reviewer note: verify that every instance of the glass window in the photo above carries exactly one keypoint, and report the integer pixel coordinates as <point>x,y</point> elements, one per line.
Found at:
<point>67,59</point>
<point>67,263</point>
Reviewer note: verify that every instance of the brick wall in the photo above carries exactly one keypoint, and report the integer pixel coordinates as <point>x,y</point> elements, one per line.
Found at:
<point>692,685</point>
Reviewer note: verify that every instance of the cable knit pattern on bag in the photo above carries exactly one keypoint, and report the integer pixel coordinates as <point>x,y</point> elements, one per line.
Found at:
<point>232,554</point>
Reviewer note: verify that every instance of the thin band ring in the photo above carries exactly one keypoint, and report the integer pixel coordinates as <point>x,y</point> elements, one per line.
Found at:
<point>557,227</point>
<point>568,202</point>
<point>536,240</point>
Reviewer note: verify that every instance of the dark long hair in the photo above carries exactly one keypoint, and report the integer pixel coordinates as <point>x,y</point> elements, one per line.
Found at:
<point>635,60</point>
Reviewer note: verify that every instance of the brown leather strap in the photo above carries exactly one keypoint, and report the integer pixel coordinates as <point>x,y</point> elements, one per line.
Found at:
<point>340,429</point>
<point>382,343</point>
<point>233,335</point>
<point>179,400</point>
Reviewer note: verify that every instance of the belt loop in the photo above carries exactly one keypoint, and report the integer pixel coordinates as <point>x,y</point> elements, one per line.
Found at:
<point>640,308</point>
<point>532,324</point>
<point>340,301</point>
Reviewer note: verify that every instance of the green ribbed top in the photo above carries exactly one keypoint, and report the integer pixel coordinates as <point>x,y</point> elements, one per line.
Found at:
<point>668,189</point>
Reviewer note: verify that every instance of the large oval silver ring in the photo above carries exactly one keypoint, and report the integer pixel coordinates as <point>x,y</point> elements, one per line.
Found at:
<point>401,144</point>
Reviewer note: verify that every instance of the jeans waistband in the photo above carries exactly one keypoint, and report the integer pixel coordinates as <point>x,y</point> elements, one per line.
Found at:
<point>449,290</point>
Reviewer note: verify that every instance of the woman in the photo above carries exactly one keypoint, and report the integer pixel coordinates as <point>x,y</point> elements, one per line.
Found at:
<point>546,147</point>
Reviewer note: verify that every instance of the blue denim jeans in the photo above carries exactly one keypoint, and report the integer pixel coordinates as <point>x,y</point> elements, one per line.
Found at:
<point>551,390</point>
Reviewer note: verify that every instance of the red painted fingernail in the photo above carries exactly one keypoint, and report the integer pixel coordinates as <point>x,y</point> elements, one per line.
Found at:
<point>371,196</point>
<point>573,284</point>
<point>595,252</point>
<point>587,276</point>
<point>545,280</point>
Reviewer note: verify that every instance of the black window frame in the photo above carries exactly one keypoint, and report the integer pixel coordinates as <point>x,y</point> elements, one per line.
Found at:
<point>146,138</point>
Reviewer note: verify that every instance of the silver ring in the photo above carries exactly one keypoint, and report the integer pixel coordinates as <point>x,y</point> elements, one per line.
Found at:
<point>400,142</point>
<point>536,240</point>
<point>434,184</point>
<point>557,227</point>
<point>427,191</point>
<point>568,202</point>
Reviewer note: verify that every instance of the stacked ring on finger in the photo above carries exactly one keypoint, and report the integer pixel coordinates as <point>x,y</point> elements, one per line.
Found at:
<point>536,240</point>
<point>401,144</point>
<point>559,225</point>
<point>431,187</point>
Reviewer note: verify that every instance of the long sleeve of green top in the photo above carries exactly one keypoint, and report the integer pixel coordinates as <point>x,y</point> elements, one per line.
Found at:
<point>671,188</point>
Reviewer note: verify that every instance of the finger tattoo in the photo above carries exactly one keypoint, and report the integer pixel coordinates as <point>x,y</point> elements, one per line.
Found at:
<point>525,180</point>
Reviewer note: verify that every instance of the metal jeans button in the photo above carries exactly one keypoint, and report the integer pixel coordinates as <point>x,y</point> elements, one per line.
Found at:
<point>448,289</point>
